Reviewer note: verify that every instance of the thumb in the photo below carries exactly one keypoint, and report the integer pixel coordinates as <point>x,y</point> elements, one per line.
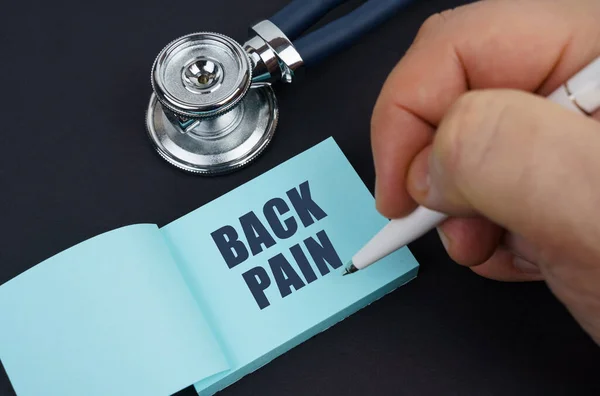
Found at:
<point>532,167</point>
<point>520,160</point>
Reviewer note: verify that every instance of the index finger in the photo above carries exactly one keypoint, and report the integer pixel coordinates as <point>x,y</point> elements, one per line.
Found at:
<point>528,45</point>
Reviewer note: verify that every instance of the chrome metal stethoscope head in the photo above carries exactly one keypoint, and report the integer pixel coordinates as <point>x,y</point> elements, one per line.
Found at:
<point>213,109</point>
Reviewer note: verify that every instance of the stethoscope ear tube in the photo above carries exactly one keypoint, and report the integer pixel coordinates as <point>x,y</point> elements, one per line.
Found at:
<point>299,15</point>
<point>338,35</point>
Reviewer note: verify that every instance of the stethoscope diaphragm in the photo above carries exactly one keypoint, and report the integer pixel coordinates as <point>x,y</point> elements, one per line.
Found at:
<point>201,75</point>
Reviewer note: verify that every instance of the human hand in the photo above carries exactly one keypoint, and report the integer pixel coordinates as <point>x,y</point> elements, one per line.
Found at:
<point>460,127</point>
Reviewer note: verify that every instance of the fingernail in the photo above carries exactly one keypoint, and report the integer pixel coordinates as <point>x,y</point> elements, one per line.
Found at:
<point>421,179</point>
<point>443,238</point>
<point>434,197</point>
<point>525,266</point>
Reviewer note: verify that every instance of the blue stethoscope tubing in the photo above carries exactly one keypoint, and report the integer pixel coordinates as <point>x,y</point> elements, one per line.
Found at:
<point>299,15</point>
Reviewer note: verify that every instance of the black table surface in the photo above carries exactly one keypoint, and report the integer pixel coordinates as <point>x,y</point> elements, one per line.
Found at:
<point>75,162</point>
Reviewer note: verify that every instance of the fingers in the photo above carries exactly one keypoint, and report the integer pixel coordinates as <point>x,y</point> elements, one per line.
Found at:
<point>521,248</point>
<point>504,266</point>
<point>472,48</point>
<point>405,135</point>
<point>488,250</point>
<point>471,241</point>
<point>475,241</point>
<point>519,160</point>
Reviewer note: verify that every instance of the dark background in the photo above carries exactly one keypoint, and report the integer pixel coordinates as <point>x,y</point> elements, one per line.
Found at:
<point>75,162</point>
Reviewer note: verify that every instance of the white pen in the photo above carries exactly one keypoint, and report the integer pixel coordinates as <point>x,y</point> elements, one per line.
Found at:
<point>581,93</point>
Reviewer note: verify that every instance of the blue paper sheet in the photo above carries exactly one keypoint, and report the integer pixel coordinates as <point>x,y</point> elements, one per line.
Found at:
<point>208,298</point>
<point>110,316</point>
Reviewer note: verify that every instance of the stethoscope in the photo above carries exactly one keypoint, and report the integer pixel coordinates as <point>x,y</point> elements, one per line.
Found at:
<point>213,109</point>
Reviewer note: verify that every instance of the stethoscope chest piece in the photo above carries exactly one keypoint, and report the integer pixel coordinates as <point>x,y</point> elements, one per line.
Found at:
<point>204,115</point>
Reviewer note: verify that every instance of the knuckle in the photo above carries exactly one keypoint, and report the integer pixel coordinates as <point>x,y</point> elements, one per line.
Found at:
<point>433,24</point>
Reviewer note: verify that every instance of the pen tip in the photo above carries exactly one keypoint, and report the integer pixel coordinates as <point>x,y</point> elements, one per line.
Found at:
<point>350,268</point>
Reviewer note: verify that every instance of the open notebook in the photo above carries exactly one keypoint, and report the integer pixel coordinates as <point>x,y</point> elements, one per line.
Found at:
<point>205,300</point>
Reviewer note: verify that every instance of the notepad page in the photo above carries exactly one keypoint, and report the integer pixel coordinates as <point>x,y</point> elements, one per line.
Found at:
<point>265,260</point>
<point>109,316</point>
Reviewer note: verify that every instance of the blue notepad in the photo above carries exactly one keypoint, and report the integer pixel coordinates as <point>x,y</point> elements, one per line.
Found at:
<point>206,299</point>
